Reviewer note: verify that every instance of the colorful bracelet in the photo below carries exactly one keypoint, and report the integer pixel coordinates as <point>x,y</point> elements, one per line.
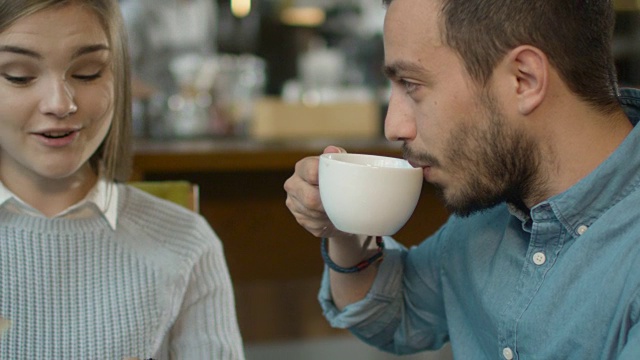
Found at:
<point>358,267</point>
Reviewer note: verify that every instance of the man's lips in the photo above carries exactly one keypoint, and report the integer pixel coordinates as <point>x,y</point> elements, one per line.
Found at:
<point>426,168</point>
<point>415,164</point>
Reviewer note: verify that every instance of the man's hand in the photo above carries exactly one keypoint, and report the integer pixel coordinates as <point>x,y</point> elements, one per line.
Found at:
<point>303,197</point>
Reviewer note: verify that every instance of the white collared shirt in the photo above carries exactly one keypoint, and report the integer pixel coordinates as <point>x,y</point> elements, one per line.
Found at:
<point>102,200</point>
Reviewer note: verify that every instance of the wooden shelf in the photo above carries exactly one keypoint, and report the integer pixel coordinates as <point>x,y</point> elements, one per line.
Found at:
<point>626,5</point>
<point>228,154</point>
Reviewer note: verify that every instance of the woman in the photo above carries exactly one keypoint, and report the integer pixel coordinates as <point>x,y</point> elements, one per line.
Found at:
<point>89,267</point>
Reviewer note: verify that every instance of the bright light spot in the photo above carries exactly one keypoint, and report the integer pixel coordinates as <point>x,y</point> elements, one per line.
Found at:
<point>303,16</point>
<point>240,8</point>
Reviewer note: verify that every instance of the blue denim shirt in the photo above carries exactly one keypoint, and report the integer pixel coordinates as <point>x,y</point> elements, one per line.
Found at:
<point>562,282</point>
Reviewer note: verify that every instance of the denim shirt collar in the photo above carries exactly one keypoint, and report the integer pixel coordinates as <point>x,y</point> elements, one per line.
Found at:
<point>583,203</point>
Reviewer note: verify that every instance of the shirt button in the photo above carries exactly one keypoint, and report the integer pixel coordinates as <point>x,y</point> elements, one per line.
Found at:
<point>581,229</point>
<point>539,258</point>
<point>507,353</point>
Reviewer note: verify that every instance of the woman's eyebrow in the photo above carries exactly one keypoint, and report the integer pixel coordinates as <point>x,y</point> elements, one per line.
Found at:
<point>89,49</point>
<point>20,51</point>
<point>81,51</point>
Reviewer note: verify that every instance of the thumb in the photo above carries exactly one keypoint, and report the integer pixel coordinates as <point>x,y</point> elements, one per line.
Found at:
<point>333,149</point>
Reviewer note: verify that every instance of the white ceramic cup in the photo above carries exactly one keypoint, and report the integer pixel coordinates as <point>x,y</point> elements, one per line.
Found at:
<point>368,194</point>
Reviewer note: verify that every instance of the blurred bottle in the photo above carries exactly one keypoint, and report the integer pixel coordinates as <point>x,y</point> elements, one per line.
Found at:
<point>239,83</point>
<point>159,32</point>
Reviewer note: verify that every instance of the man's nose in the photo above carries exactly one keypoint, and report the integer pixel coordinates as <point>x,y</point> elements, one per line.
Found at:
<point>399,124</point>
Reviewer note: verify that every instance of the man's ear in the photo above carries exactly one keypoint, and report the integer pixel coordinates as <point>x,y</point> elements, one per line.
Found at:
<point>530,68</point>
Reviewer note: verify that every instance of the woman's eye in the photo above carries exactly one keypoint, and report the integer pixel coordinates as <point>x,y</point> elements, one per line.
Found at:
<point>87,77</point>
<point>18,80</point>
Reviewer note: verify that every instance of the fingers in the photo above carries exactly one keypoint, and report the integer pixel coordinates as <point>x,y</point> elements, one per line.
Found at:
<point>303,201</point>
<point>333,149</point>
<point>303,196</point>
<point>307,170</point>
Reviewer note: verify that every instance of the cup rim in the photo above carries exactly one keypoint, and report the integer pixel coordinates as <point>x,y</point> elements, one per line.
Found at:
<point>337,158</point>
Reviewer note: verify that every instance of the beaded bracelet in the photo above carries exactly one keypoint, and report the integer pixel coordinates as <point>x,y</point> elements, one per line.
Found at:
<point>358,267</point>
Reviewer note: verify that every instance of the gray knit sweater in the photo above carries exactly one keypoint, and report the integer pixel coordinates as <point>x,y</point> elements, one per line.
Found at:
<point>156,287</point>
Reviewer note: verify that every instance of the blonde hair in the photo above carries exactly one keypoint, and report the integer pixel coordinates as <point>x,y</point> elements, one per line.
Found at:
<point>113,156</point>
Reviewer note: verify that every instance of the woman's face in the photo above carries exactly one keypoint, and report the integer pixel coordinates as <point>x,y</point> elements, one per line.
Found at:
<point>56,95</point>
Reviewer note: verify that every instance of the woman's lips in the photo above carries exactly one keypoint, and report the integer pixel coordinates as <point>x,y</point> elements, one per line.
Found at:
<point>57,138</point>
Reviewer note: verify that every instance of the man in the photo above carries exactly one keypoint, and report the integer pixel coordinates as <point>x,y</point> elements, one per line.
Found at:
<point>511,108</point>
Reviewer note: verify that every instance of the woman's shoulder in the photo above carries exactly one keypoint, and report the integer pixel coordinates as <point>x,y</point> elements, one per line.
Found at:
<point>165,222</point>
<point>168,238</point>
<point>137,196</point>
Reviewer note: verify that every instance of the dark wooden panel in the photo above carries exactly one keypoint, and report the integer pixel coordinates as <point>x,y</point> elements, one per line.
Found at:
<point>274,263</point>
<point>262,239</point>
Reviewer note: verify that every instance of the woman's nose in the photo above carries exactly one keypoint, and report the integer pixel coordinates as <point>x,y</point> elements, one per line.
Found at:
<point>399,124</point>
<point>59,99</point>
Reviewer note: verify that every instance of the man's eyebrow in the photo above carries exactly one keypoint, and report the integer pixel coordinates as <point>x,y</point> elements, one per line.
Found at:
<point>393,70</point>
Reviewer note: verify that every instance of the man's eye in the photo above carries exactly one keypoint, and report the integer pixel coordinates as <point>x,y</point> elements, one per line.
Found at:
<point>18,80</point>
<point>409,86</point>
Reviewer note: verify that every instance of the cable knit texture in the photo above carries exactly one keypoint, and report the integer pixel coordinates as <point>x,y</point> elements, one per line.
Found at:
<point>157,286</point>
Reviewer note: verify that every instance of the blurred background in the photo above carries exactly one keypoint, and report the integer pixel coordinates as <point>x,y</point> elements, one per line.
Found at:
<point>229,94</point>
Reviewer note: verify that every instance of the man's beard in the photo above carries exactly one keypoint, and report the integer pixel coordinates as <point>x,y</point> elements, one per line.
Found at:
<point>488,165</point>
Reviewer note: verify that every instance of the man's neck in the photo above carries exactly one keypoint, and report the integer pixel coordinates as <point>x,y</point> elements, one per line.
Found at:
<point>574,140</point>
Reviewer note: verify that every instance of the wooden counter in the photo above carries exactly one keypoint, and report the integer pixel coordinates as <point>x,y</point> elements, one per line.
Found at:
<point>242,197</point>
<point>239,155</point>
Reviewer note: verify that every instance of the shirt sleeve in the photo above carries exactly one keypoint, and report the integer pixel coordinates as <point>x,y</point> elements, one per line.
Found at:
<point>206,327</point>
<point>403,311</point>
<point>631,349</point>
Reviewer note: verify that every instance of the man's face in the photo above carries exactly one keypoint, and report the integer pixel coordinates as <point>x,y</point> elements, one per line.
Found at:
<point>450,126</point>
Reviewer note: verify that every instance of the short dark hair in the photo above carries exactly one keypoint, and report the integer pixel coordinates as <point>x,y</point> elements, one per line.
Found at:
<point>575,35</point>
